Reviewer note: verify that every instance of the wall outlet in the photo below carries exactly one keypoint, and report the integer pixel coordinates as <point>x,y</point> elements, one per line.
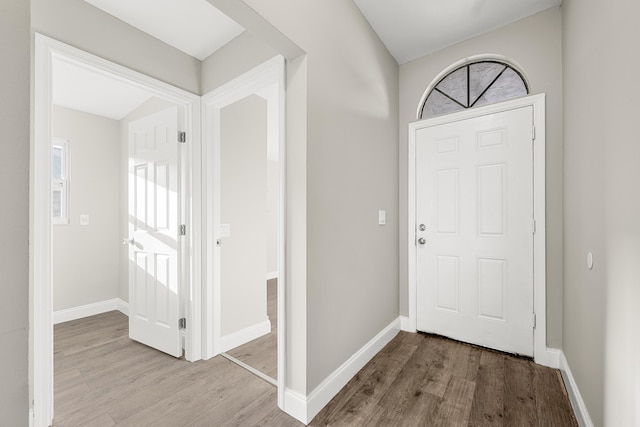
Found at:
<point>84,219</point>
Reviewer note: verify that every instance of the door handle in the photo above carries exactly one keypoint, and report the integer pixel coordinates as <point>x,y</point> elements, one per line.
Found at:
<point>422,241</point>
<point>130,241</point>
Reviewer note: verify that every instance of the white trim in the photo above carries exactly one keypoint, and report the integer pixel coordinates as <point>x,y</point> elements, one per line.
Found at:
<point>476,58</point>
<point>549,358</point>
<point>123,307</point>
<point>87,310</point>
<point>243,336</point>
<point>405,324</point>
<point>579,407</point>
<point>46,49</point>
<point>272,275</point>
<point>295,404</point>
<point>264,75</point>
<point>304,409</point>
<point>541,354</point>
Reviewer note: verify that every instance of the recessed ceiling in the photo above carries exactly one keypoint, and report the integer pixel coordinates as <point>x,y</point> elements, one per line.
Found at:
<point>414,28</point>
<point>85,90</point>
<point>193,26</point>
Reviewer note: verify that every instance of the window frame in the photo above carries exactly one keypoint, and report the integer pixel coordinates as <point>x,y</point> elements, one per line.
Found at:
<point>61,184</point>
<point>468,61</point>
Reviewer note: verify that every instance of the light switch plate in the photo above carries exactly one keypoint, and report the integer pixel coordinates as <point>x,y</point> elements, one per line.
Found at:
<point>84,219</point>
<point>225,230</point>
<point>382,217</point>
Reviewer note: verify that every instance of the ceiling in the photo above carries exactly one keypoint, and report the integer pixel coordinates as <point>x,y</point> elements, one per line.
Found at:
<point>85,90</point>
<point>414,28</point>
<point>193,26</point>
<point>409,29</point>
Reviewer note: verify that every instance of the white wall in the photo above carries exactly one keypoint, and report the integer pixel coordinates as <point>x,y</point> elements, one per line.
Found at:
<point>85,258</point>
<point>243,204</point>
<point>153,105</point>
<point>14,211</point>
<point>602,206</point>
<point>535,44</point>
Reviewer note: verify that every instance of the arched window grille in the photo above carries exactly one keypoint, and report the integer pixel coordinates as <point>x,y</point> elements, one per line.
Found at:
<point>471,85</point>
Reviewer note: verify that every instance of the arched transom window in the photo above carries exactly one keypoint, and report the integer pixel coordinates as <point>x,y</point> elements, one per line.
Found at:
<point>471,85</point>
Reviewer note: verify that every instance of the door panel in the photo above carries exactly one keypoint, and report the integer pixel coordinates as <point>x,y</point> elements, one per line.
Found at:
<point>154,300</point>
<point>474,198</point>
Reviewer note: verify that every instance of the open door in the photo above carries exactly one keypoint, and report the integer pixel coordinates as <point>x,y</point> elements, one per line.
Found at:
<point>154,300</point>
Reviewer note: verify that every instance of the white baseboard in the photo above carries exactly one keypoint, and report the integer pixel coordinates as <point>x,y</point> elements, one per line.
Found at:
<point>405,324</point>
<point>123,307</point>
<point>82,311</point>
<point>579,408</point>
<point>295,405</point>
<point>549,358</point>
<point>304,409</point>
<point>272,275</point>
<point>243,336</point>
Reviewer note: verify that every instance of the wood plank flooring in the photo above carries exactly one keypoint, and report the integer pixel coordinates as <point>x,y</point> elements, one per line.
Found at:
<point>102,378</point>
<point>262,353</point>
<point>423,380</point>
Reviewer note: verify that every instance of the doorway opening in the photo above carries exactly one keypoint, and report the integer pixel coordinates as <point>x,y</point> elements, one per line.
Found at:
<point>60,114</point>
<point>244,152</point>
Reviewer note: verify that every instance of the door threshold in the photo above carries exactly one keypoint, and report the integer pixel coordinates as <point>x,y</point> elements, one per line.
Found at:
<point>253,370</point>
<point>495,350</point>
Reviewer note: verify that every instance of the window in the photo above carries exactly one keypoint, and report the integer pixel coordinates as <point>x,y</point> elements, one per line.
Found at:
<point>473,84</point>
<point>60,181</point>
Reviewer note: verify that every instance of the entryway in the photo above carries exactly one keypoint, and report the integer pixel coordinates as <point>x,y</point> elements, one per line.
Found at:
<point>476,225</point>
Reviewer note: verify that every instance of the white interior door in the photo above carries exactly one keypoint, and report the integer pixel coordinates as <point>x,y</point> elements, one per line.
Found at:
<point>474,230</point>
<point>154,300</point>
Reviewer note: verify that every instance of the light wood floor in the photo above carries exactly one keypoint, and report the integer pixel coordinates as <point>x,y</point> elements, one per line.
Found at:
<point>262,353</point>
<point>102,378</point>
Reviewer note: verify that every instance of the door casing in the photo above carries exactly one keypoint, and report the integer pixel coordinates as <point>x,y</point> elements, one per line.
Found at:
<point>269,73</point>
<point>40,281</point>
<point>542,355</point>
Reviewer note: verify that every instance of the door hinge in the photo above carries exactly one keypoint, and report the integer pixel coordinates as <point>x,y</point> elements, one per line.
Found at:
<point>183,230</point>
<point>533,320</point>
<point>533,133</point>
<point>182,323</point>
<point>533,226</point>
<point>182,136</point>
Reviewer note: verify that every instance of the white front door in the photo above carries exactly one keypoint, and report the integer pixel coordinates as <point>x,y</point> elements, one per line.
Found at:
<point>154,299</point>
<point>474,230</point>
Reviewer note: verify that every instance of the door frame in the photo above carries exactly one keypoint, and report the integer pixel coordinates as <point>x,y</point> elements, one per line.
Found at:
<point>40,286</point>
<point>542,355</point>
<point>264,75</point>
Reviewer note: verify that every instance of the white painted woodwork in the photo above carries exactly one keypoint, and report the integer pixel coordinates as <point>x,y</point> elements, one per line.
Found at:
<point>154,300</point>
<point>474,194</point>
